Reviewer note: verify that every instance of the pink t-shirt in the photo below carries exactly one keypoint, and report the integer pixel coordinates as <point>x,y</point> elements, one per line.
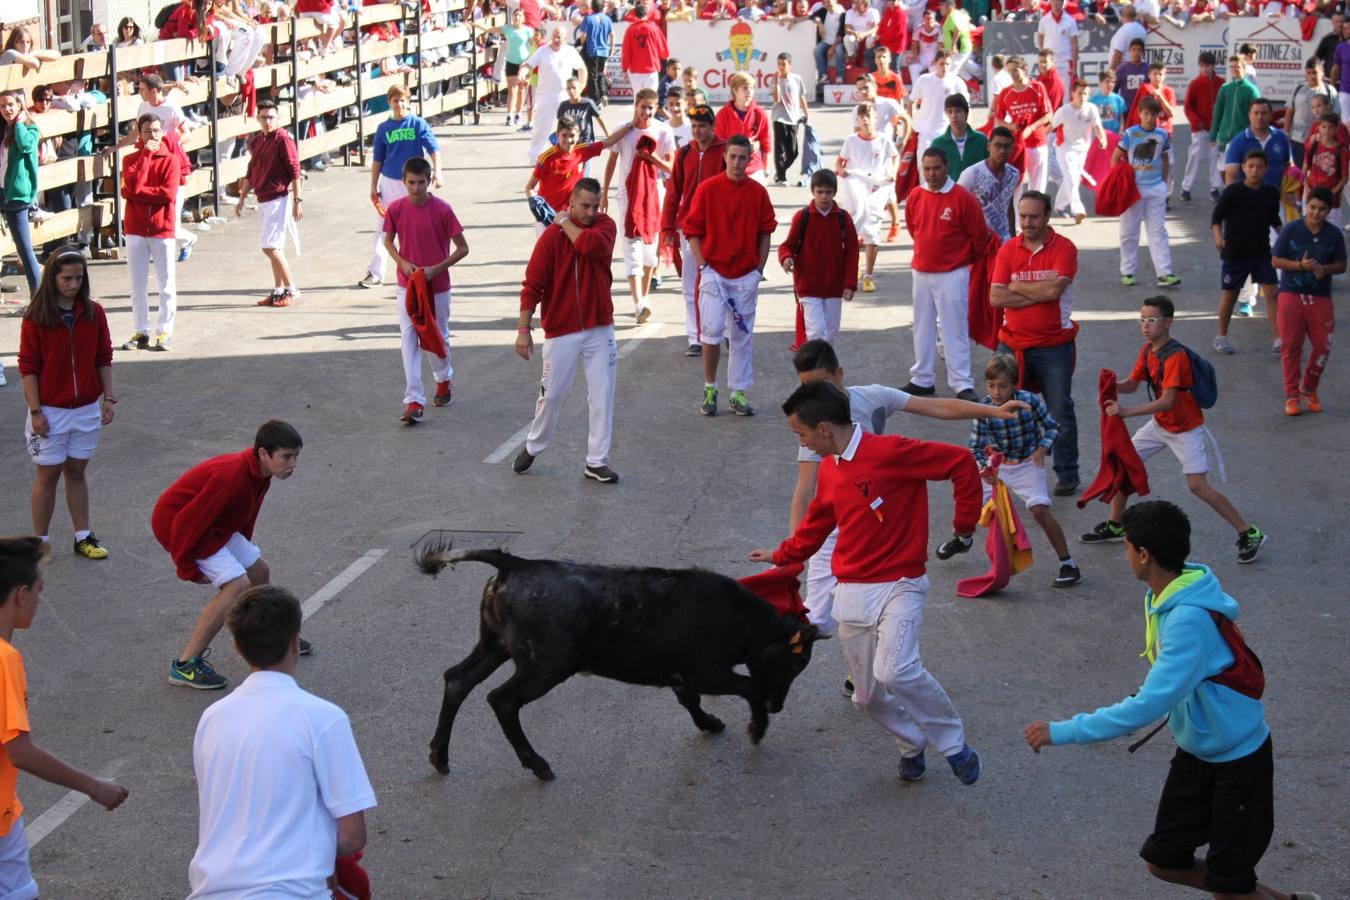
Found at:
<point>423,234</point>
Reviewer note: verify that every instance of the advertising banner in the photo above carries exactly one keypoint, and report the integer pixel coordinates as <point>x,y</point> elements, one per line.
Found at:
<point>723,47</point>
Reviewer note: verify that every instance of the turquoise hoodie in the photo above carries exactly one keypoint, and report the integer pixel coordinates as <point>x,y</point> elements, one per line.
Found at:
<point>1211,721</point>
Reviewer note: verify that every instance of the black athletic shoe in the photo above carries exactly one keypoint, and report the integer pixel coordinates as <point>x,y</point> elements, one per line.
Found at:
<point>521,464</point>
<point>1249,544</point>
<point>968,395</point>
<point>602,474</point>
<point>1067,487</point>
<point>919,390</point>
<point>954,545</point>
<point>1103,532</point>
<point>306,648</point>
<point>694,350</point>
<point>848,686</point>
<point>1068,575</point>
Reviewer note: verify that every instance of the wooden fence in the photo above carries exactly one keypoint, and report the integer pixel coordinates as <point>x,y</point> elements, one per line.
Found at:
<point>207,182</point>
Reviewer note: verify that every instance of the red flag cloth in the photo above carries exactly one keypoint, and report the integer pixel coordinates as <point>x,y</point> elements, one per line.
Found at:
<point>1098,162</point>
<point>779,587</point>
<point>1117,192</point>
<point>982,320</point>
<point>907,178</point>
<point>1122,471</point>
<point>1007,545</point>
<point>249,91</point>
<point>799,337</point>
<point>642,218</point>
<point>353,881</point>
<point>421,304</point>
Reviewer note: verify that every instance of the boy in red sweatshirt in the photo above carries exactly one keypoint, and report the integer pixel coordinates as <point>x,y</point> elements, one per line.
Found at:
<point>568,276</point>
<point>824,234</point>
<point>1199,109</point>
<point>703,157</point>
<point>274,175</point>
<point>874,489</point>
<point>205,520</point>
<point>150,179</point>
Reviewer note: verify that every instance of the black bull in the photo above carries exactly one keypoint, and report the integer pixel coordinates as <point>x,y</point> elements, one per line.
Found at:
<point>684,629</point>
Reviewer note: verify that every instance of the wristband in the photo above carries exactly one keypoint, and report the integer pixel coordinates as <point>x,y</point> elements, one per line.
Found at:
<point>112,400</point>
<point>524,330</point>
<point>36,412</point>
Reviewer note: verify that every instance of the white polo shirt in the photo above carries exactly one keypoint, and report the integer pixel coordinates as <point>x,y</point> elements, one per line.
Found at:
<point>1061,36</point>
<point>276,768</point>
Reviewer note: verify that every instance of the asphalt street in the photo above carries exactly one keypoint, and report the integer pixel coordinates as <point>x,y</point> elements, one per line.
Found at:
<point>644,804</point>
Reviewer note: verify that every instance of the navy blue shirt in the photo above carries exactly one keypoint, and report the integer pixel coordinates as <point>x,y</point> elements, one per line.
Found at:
<point>598,30</point>
<point>1327,246</point>
<point>1277,153</point>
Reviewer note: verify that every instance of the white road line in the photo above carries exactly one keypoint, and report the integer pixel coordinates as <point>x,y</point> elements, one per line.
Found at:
<point>64,808</point>
<point>639,334</point>
<point>344,578</point>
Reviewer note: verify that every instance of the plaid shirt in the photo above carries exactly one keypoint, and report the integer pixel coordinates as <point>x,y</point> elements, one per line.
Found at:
<point>1016,438</point>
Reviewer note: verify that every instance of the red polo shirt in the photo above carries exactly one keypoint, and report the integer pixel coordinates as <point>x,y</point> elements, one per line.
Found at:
<point>1041,324</point>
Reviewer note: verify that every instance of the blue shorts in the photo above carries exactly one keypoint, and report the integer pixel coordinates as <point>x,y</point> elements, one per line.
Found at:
<point>1235,274</point>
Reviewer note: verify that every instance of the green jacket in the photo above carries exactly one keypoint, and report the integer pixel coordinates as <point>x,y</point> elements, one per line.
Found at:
<point>1230,110</point>
<point>977,151</point>
<point>21,175</point>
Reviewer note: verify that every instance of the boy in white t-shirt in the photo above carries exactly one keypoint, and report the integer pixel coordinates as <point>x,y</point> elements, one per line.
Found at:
<point>280,782</point>
<point>1081,123</point>
<point>639,256</point>
<point>928,99</point>
<point>866,168</point>
<point>789,110</point>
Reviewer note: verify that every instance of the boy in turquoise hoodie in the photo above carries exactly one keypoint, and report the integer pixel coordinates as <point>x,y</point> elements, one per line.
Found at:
<point>1219,788</point>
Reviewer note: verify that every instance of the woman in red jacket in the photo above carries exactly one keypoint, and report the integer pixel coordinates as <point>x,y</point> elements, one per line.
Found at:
<point>65,357</point>
<point>744,116</point>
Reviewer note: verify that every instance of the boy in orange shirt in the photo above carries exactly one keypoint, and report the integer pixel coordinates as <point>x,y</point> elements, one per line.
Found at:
<point>21,581</point>
<point>888,82</point>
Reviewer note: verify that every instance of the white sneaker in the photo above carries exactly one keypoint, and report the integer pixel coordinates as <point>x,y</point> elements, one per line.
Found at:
<point>642,312</point>
<point>1276,345</point>
<point>1223,345</point>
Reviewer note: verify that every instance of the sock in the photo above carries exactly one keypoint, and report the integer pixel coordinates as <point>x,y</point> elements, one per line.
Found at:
<point>81,535</point>
<point>289,287</point>
<point>1067,561</point>
<point>44,539</point>
<point>710,384</point>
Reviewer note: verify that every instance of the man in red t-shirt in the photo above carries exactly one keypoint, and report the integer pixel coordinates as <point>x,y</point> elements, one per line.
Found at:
<point>644,51</point>
<point>1025,108</point>
<point>1032,283</point>
<point>729,228</point>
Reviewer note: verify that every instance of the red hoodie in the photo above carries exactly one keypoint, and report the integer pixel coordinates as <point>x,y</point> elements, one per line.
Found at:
<point>644,46</point>
<point>754,125</point>
<point>730,217</point>
<point>690,168</point>
<point>66,358</point>
<point>208,503</point>
<point>877,496</point>
<point>1199,105</point>
<point>947,226</point>
<point>824,248</point>
<point>150,187</point>
<point>571,281</point>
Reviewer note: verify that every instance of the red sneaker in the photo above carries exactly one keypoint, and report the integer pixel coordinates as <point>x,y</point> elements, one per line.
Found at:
<point>285,298</point>
<point>412,414</point>
<point>269,300</point>
<point>893,234</point>
<point>443,390</point>
<point>1314,404</point>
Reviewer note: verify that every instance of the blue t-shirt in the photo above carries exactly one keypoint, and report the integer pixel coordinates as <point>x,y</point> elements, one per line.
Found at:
<point>598,30</point>
<point>1145,150</point>
<point>1295,240</point>
<point>399,140</point>
<point>1277,153</point>
<point>1112,109</point>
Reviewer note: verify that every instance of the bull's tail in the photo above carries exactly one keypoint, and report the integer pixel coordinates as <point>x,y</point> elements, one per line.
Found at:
<point>432,559</point>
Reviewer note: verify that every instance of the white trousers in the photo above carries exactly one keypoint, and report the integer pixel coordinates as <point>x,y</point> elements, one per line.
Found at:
<point>637,253</point>
<point>1037,168</point>
<point>890,684</point>
<point>597,352</point>
<point>1200,158</point>
<point>727,308</point>
<point>1344,101</point>
<point>141,251</point>
<point>643,80</point>
<point>1071,160</point>
<point>822,315</point>
<point>820,583</point>
<point>245,45</point>
<point>390,190</point>
<point>441,369</point>
<point>922,143</point>
<point>1150,210</point>
<point>851,44</point>
<point>544,124</point>
<point>941,301</point>
<point>689,283</point>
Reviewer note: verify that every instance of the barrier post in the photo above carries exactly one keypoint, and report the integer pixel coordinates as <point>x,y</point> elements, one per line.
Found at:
<point>418,20</point>
<point>113,133</point>
<point>295,82</point>
<point>473,62</point>
<point>360,98</point>
<point>213,130</point>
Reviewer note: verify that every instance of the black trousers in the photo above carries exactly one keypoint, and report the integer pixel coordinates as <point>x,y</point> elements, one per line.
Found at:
<point>596,87</point>
<point>784,148</point>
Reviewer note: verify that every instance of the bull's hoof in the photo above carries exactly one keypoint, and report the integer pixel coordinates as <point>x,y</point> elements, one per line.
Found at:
<point>440,762</point>
<point>713,725</point>
<point>757,731</point>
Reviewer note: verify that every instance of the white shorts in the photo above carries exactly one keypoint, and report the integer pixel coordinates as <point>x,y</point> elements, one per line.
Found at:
<point>1186,446</point>
<point>273,215</point>
<point>330,19</point>
<point>231,561</point>
<point>71,434</point>
<point>16,878</point>
<point>1026,480</point>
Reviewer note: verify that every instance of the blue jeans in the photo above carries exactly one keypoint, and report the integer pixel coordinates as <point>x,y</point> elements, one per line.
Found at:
<point>1052,368</point>
<point>824,50</point>
<point>16,218</point>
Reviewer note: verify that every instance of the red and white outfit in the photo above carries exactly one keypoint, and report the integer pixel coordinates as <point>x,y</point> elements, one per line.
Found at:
<point>570,283</point>
<point>423,234</point>
<point>925,44</point>
<point>637,252</point>
<point>729,218</point>
<point>644,47</point>
<point>273,166</point>
<point>1199,109</point>
<point>150,187</point>
<point>1060,35</point>
<point>947,227</point>
<point>692,165</point>
<point>824,249</point>
<point>1023,105</point>
<point>753,122</point>
<point>876,493</point>
<point>1080,128</point>
<point>869,184</point>
<point>929,94</point>
<point>66,358</point>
